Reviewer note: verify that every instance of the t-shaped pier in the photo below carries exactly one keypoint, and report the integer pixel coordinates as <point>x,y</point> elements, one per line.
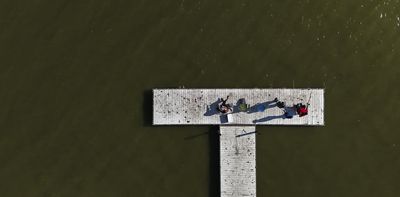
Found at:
<point>237,133</point>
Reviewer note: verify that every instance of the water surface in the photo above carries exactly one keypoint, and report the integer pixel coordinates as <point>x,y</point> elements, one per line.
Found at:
<point>75,100</point>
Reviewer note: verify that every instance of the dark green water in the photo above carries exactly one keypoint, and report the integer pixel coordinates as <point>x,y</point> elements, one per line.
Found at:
<point>75,106</point>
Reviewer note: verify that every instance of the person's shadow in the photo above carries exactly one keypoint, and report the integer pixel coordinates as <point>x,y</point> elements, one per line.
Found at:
<point>268,118</point>
<point>212,109</point>
<point>288,113</point>
<point>259,107</point>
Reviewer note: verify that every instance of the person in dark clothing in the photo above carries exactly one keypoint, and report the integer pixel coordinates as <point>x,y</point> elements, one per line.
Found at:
<point>223,107</point>
<point>288,115</point>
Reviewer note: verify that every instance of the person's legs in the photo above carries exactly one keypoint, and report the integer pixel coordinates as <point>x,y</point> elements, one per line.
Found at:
<point>224,101</point>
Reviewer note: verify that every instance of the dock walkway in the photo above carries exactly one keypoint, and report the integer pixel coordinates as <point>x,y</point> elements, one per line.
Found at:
<point>238,161</point>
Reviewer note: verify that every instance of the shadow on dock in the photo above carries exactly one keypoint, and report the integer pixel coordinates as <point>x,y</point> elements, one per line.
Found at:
<point>214,162</point>
<point>290,111</point>
<point>147,105</point>
<point>261,106</point>
<point>212,108</point>
<point>268,118</point>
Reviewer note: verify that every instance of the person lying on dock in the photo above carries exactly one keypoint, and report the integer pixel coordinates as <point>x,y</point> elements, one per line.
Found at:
<point>223,107</point>
<point>288,115</point>
<point>301,109</point>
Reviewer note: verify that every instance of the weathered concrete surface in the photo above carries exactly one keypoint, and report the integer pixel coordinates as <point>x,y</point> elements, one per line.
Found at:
<point>238,161</point>
<point>198,106</point>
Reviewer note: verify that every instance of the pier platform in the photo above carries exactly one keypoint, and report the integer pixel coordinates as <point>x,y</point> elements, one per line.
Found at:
<point>199,106</point>
<point>237,128</point>
<point>238,161</point>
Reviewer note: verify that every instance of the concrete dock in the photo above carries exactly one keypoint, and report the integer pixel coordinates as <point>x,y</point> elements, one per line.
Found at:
<point>237,129</point>
<point>199,106</point>
<point>238,160</point>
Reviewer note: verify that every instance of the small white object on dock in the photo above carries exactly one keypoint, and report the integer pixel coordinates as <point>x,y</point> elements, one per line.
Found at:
<point>238,160</point>
<point>198,106</point>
